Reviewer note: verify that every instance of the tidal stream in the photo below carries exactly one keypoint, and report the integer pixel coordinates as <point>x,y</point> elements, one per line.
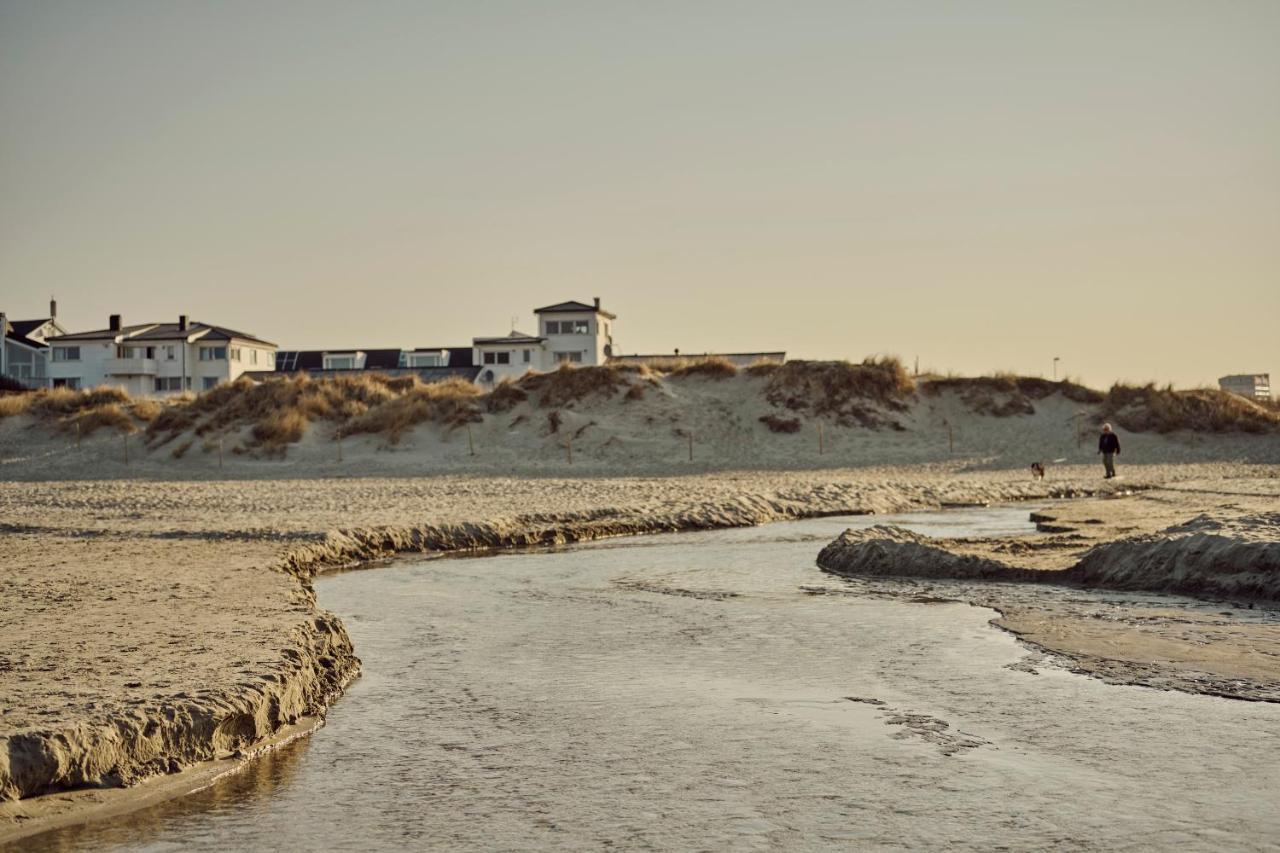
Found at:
<point>691,691</point>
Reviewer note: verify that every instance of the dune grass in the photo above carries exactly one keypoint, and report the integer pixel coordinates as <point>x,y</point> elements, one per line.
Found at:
<point>851,394</point>
<point>1143,408</point>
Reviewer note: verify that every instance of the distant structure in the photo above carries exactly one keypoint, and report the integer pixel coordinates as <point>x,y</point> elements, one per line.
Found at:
<point>24,355</point>
<point>429,364</point>
<point>1255,386</point>
<point>155,358</point>
<point>741,359</point>
<point>568,333</point>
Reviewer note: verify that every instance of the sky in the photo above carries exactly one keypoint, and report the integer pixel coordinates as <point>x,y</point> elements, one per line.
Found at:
<point>980,186</point>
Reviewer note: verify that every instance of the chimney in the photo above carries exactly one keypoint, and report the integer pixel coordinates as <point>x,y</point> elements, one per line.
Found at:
<point>53,308</point>
<point>113,322</point>
<point>597,303</point>
<point>182,322</point>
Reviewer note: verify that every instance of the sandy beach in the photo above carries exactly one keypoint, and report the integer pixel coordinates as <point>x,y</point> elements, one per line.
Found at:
<point>163,624</point>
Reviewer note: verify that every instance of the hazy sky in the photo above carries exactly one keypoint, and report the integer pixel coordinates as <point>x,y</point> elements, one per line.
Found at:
<point>985,185</point>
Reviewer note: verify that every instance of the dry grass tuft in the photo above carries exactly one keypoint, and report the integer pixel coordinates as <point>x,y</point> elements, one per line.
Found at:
<point>850,393</point>
<point>67,408</point>
<point>1003,395</point>
<point>568,384</point>
<point>451,403</point>
<point>12,405</point>
<point>110,415</point>
<point>708,367</point>
<point>1149,408</point>
<point>777,424</point>
<point>504,397</point>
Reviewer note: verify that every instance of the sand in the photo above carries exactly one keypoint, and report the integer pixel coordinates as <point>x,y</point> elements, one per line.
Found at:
<point>154,625</point>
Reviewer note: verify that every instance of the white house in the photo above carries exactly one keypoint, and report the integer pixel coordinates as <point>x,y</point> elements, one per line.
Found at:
<point>156,358</point>
<point>1255,386</point>
<point>24,353</point>
<point>568,332</point>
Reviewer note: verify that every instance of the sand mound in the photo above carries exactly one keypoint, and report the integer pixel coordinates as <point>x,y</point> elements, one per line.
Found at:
<point>890,551</point>
<point>1205,557</point>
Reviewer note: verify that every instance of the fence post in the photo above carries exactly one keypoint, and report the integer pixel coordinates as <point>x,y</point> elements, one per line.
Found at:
<point>471,445</point>
<point>126,448</point>
<point>951,439</point>
<point>691,447</point>
<point>219,453</point>
<point>339,445</point>
<point>77,435</point>
<point>568,448</point>
<point>821,445</point>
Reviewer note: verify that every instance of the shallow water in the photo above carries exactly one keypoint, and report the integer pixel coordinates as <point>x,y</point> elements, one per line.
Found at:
<point>686,691</point>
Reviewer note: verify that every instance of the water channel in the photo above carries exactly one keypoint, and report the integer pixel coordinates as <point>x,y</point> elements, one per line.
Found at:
<point>690,691</point>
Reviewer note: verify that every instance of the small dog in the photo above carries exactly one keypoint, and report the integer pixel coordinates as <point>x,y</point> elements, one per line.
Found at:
<point>1037,470</point>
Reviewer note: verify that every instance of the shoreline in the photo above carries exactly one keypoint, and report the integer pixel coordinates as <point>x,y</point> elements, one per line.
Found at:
<point>737,505</point>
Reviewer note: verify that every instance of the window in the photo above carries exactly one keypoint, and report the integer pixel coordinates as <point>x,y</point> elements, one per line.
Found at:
<point>253,356</point>
<point>568,327</point>
<point>213,354</point>
<point>66,354</point>
<point>124,352</point>
<point>528,356</point>
<point>169,352</point>
<point>574,357</point>
<point>72,382</point>
<point>425,359</point>
<point>209,382</point>
<point>497,357</point>
<point>235,353</point>
<point>168,383</point>
<point>341,362</point>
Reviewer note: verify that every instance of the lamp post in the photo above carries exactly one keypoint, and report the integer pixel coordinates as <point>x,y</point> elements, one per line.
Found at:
<point>1055,368</point>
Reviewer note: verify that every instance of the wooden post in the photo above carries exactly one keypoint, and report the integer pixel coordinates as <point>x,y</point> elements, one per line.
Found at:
<point>690,447</point>
<point>339,445</point>
<point>821,446</point>
<point>77,435</point>
<point>568,448</point>
<point>126,448</point>
<point>471,445</point>
<point>219,453</point>
<point>951,438</point>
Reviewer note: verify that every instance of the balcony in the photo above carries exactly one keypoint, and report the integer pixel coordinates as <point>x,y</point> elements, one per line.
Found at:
<point>130,367</point>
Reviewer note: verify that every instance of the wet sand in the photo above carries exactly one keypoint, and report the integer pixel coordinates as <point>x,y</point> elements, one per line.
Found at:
<point>197,595</point>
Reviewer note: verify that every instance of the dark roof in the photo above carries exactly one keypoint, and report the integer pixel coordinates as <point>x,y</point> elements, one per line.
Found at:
<point>164,332</point>
<point>99,334</point>
<point>290,361</point>
<point>170,331</point>
<point>573,307</point>
<point>19,329</point>
<point>514,338</point>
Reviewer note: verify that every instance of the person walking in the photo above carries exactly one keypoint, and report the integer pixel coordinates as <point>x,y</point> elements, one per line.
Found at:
<point>1109,447</point>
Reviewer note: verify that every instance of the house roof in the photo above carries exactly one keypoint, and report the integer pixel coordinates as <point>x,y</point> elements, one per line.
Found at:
<point>163,332</point>
<point>103,334</point>
<point>19,329</point>
<point>170,331</point>
<point>572,307</point>
<point>516,337</point>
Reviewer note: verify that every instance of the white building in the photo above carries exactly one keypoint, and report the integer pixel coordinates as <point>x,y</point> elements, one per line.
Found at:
<point>156,358</point>
<point>568,333</point>
<point>1255,386</point>
<point>24,354</point>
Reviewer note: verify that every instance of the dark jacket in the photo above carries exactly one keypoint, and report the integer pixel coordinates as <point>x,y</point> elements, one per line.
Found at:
<point>1108,442</point>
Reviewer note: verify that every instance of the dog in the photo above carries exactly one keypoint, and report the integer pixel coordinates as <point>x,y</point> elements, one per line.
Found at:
<point>1037,470</point>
